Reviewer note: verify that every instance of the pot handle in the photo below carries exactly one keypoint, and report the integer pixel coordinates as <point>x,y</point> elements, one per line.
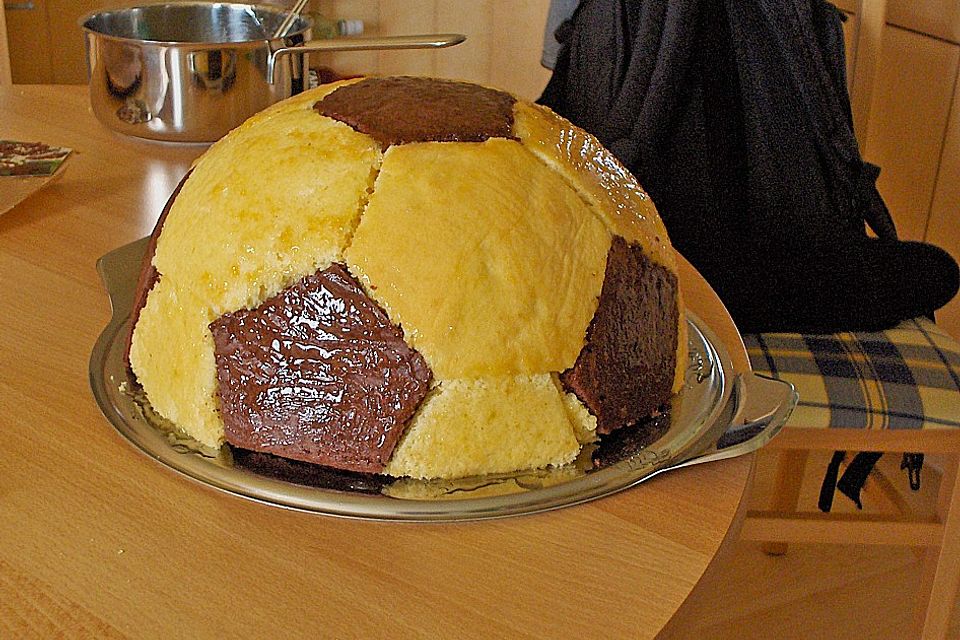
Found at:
<point>432,41</point>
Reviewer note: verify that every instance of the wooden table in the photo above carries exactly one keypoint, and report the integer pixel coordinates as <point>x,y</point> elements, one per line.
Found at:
<point>96,540</point>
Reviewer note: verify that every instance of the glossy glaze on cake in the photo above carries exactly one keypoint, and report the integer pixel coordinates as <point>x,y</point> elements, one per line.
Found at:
<point>317,373</point>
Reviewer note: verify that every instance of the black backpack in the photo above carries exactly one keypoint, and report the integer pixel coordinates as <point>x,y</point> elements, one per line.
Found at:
<point>734,115</point>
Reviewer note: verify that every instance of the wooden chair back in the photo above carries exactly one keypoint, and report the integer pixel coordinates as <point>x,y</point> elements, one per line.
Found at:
<point>871,18</point>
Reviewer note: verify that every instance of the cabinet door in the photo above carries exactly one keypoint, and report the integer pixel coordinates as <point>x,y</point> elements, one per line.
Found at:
<point>353,62</point>
<point>470,60</point>
<point>67,51</point>
<point>28,38</point>
<point>504,39</point>
<point>4,52</point>
<point>944,226</point>
<point>502,49</point>
<point>938,18</point>
<point>518,46</point>
<point>915,126</point>
<point>913,94</point>
<point>45,39</point>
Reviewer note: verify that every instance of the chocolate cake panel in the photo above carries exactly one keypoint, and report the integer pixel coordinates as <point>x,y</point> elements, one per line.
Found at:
<point>318,373</point>
<point>408,109</point>
<point>625,371</point>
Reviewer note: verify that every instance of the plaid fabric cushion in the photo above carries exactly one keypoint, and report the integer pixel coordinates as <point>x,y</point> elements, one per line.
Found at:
<point>905,378</point>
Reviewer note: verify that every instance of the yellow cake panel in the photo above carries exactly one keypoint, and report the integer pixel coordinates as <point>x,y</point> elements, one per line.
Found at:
<point>475,427</point>
<point>266,206</point>
<point>172,355</point>
<point>299,102</point>
<point>490,262</point>
<point>618,198</point>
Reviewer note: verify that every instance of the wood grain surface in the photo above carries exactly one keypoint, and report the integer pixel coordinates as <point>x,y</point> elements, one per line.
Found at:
<point>5,76</point>
<point>99,541</point>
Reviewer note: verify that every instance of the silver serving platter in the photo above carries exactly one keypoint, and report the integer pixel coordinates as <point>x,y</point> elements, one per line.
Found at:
<point>717,415</point>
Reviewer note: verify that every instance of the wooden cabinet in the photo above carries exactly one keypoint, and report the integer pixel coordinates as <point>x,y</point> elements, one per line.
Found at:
<point>504,40</point>
<point>502,49</point>
<point>914,131</point>
<point>5,77</point>
<point>943,225</point>
<point>45,40</point>
<point>28,41</point>
<point>913,99</point>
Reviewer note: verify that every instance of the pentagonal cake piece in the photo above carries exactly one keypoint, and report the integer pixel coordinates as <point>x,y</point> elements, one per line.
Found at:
<point>408,109</point>
<point>636,293</point>
<point>317,373</point>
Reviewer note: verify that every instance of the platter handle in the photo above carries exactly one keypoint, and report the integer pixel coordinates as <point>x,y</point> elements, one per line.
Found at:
<point>764,405</point>
<point>119,271</point>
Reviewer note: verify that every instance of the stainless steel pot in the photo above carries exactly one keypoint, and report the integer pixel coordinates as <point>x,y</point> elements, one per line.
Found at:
<point>192,71</point>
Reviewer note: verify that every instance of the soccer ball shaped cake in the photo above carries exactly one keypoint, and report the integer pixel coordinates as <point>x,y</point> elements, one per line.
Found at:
<point>412,277</point>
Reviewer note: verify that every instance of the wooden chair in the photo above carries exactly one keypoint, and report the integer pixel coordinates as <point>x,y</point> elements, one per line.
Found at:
<point>894,391</point>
